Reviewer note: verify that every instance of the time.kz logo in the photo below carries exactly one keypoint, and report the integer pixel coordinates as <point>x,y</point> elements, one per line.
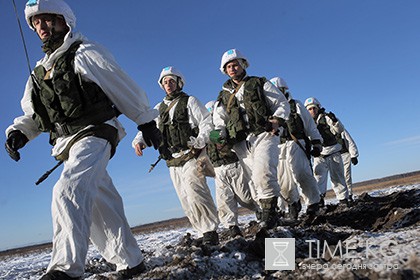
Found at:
<point>279,253</point>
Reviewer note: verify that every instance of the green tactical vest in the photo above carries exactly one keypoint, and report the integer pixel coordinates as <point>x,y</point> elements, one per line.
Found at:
<point>256,109</point>
<point>324,130</point>
<point>64,104</point>
<point>221,157</point>
<point>344,148</point>
<point>176,133</point>
<point>294,124</point>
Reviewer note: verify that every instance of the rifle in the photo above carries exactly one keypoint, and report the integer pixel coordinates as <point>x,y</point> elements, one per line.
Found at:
<point>154,164</point>
<point>46,174</point>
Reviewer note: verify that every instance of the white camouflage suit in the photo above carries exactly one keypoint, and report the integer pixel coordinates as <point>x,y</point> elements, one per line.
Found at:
<point>85,204</point>
<point>353,152</point>
<point>256,152</point>
<point>190,185</point>
<point>295,169</point>
<point>331,161</point>
<point>231,188</point>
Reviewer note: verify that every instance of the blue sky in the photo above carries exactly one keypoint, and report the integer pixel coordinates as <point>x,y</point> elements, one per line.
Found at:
<point>359,58</point>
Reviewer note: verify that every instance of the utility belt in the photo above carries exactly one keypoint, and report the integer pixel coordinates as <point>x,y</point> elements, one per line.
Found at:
<point>284,139</point>
<point>104,131</point>
<point>184,157</point>
<point>74,126</point>
<point>326,156</point>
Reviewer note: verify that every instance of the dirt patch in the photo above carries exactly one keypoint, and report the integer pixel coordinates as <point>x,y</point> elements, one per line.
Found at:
<point>243,257</point>
<point>373,213</point>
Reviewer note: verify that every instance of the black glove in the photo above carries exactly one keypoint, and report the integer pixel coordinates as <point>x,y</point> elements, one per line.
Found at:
<point>354,160</point>
<point>14,142</point>
<point>332,117</point>
<point>316,151</point>
<point>151,134</point>
<point>164,152</point>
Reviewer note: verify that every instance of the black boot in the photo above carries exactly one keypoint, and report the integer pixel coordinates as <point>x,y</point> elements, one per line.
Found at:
<point>312,209</point>
<point>344,202</point>
<point>57,275</point>
<point>234,231</point>
<point>294,210</point>
<point>322,201</point>
<point>211,238</point>
<point>269,215</point>
<point>129,272</point>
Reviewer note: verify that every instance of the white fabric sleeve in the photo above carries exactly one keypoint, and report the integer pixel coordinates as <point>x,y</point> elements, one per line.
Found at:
<point>354,152</point>
<point>276,101</point>
<point>337,127</point>
<point>220,116</point>
<point>200,117</point>
<point>25,123</point>
<point>96,64</point>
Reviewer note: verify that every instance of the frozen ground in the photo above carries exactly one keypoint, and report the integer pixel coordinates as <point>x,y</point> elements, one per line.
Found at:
<point>381,232</point>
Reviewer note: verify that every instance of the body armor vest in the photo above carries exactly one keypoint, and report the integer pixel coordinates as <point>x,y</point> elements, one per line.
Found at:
<point>64,104</point>
<point>344,148</point>
<point>256,109</point>
<point>176,132</point>
<point>294,124</point>
<point>324,130</point>
<point>221,157</point>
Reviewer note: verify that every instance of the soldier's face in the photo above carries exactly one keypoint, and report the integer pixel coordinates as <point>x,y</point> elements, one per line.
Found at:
<point>313,111</point>
<point>45,24</point>
<point>169,85</point>
<point>234,70</point>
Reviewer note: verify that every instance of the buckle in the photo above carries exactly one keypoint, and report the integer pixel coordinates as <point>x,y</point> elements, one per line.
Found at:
<point>61,129</point>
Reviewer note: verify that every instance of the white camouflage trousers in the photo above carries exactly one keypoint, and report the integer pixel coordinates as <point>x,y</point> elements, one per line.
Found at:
<point>231,189</point>
<point>334,165</point>
<point>86,206</point>
<point>258,157</point>
<point>295,171</point>
<point>195,196</point>
<point>347,171</point>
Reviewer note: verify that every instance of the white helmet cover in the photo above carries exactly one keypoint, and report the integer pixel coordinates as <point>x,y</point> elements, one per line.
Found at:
<point>279,82</point>
<point>312,102</point>
<point>230,55</point>
<point>210,105</point>
<point>58,7</point>
<point>170,70</point>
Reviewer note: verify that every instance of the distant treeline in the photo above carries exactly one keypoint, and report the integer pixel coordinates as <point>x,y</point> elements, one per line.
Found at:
<point>388,178</point>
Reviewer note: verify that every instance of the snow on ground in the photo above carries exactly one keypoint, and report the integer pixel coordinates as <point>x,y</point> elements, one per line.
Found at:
<point>376,254</point>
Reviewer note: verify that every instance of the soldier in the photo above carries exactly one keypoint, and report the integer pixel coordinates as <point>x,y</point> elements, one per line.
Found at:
<point>330,159</point>
<point>349,153</point>
<point>185,125</point>
<point>250,115</point>
<point>299,141</point>
<point>75,94</point>
<point>230,183</point>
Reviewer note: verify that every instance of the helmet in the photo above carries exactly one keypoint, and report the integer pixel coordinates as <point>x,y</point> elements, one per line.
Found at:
<point>230,55</point>
<point>171,71</point>
<point>279,82</point>
<point>312,102</point>
<point>58,7</point>
<point>210,105</point>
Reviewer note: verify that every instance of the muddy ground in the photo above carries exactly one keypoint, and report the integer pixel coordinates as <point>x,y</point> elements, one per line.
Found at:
<point>369,218</point>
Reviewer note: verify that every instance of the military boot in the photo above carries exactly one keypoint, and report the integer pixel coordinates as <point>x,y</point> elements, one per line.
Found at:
<point>294,210</point>
<point>269,215</point>
<point>57,275</point>
<point>322,201</point>
<point>211,238</point>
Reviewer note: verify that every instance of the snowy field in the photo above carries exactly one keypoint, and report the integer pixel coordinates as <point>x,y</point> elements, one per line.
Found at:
<point>388,251</point>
